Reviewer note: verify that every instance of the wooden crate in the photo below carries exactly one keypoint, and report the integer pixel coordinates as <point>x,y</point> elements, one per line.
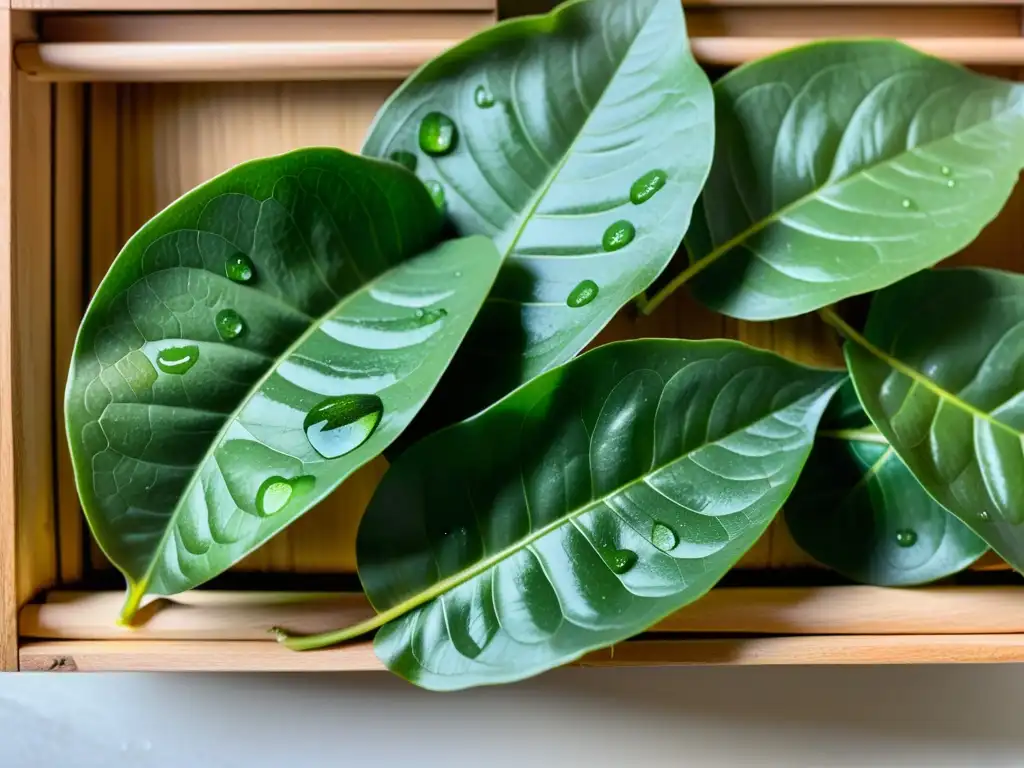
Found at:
<point>110,109</point>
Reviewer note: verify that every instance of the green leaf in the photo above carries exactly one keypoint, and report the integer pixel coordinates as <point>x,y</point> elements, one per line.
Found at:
<point>561,122</point>
<point>842,167</point>
<point>580,509</point>
<point>859,510</point>
<point>940,371</point>
<point>222,332</point>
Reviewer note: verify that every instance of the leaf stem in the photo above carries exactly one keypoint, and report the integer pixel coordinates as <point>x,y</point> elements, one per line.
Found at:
<point>648,305</point>
<point>337,636</point>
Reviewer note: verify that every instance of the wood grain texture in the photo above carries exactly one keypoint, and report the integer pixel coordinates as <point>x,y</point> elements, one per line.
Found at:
<point>267,656</point>
<point>8,498</point>
<point>68,303</point>
<point>32,317</point>
<point>255,5</point>
<point>208,616</point>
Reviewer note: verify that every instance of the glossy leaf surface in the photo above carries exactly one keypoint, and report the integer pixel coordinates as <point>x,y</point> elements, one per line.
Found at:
<point>860,511</point>
<point>583,507</point>
<point>842,167</point>
<point>582,139</point>
<point>194,439</point>
<point>941,374</point>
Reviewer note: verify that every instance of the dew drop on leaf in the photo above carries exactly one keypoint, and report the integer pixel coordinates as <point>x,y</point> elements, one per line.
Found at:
<point>951,183</point>
<point>436,191</point>
<point>647,186</point>
<point>438,134</point>
<point>906,537</point>
<point>618,236</point>
<point>663,537</point>
<point>275,493</point>
<point>983,515</point>
<point>230,324</point>
<point>482,97</point>
<point>946,171</point>
<point>621,560</point>
<point>583,294</point>
<point>907,203</point>
<point>239,268</point>
<point>338,425</point>
<point>407,159</point>
<point>177,360</point>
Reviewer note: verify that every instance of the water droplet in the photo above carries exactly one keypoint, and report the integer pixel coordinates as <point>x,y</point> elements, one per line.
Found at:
<point>583,294</point>
<point>618,236</point>
<point>906,538</point>
<point>407,159</point>
<point>951,183</point>
<point>339,425</point>
<point>275,493</point>
<point>647,186</point>
<point>436,190</point>
<point>482,97</point>
<point>663,537</point>
<point>177,360</point>
<point>239,268</point>
<point>984,515</point>
<point>946,171</point>
<point>621,560</point>
<point>907,203</point>
<point>438,134</point>
<point>458,274</point>
<point>230,324</point>
<point>419,313</point>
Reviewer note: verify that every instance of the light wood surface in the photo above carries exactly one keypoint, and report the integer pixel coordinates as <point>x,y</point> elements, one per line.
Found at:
<point>157,47</point>
<point>33,362</point>
<point>68,300</point>
<point>256,5</point>
<point>255,656</point>
<point>8,497</point>
<point>206,616</point>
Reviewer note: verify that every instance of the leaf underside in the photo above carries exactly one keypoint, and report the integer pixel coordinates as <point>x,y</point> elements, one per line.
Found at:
<point>585,102</point>
<point>583,507</point>
<point>341,299</point>
<point>859,510</point>
<point>944,382</point>
<point>842,167</point>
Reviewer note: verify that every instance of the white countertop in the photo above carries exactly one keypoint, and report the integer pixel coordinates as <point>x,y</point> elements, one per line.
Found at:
<point>792,717</point>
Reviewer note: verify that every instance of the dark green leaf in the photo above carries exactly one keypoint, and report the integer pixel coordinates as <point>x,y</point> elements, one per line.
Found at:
<point>583,507</point>
<point>842,167</point>
<point>941,374</point>
<point>283,298</point>
<point>859,510</point>
<point>582,141</point>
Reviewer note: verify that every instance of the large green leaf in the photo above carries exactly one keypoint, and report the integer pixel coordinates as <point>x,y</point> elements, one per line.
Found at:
<point>859,510</point>
<point>842,167</point>
<point>940,371</point>
<point>582,508</point>
<point>561,123</point>
<point>288,297</point>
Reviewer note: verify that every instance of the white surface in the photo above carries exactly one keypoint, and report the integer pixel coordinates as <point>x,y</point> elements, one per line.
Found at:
<point>852,716</point>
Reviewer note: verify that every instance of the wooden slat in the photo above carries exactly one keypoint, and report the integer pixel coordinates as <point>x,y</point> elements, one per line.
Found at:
<point>255,656</point>
<point>33,363</point>
<point>360,60</point>
<point>155,47</point>
<point>256,5</point>
<point>850,610</point>
<point>8,497</point>
<point>68,295</point>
